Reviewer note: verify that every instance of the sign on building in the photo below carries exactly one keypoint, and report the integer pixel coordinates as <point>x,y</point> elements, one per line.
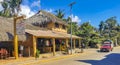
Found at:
<point>20,28</point>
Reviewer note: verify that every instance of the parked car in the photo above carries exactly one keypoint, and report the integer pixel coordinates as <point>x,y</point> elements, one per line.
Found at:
<point>107,46</point>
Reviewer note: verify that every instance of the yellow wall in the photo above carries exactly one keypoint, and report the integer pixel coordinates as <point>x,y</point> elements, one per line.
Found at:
<point>51,26</point>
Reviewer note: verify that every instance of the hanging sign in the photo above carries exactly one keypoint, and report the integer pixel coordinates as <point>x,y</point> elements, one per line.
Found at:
<point>20,28</point>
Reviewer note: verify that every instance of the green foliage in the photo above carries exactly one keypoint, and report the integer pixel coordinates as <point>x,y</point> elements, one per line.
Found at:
<point>37,53</point>
<point>74,28</point>
<point>88,33</point>
<point>60,13</point>
<point>10,7</point>
<point>109,29</point>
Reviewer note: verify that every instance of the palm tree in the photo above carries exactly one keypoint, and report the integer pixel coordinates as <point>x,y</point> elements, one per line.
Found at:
<point>60,14</point>
<point>5,11</point>
<point>101,27</point>
<point>15,6</point>
<point>109,29</point>
<point>10,7</point>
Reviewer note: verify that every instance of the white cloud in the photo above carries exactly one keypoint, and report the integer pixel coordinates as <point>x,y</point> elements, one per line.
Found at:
<point>75,18</point>
<point>26,11</point>
<point>49,10</point>
<point>1,1</point>
<point>1,8</point>
<point>36,4</point>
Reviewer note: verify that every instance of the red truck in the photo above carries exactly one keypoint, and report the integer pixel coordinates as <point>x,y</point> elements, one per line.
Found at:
<point>107,46</point>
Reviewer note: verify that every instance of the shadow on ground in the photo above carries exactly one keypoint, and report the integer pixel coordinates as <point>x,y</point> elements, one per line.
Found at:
<point>111,59</point>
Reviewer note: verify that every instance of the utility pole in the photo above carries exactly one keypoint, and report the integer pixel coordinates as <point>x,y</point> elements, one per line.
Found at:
<point>70,5</point>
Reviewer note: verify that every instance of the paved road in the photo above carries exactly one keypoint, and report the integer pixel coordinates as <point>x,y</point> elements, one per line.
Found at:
<point>93,58</point>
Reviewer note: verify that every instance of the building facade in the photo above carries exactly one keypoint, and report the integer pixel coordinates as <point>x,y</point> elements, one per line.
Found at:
<point>44,32</point>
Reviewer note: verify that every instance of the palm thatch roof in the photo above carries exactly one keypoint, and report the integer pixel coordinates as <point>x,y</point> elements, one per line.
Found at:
<point>7,29</point>
<point>43,17</point>
<point>50,34</point>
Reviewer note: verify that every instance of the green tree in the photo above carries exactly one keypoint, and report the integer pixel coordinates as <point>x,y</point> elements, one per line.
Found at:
<point>60,13</point>
<point>5,11</point>
<point>10,7</point>
<point>15,6</point>
<point>85,31</point>
<point>74,28</point>
<point>109,29</point>
<point>101,27</point>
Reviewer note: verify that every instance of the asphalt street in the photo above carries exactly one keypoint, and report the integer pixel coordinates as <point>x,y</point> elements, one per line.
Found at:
<point>93,58</point>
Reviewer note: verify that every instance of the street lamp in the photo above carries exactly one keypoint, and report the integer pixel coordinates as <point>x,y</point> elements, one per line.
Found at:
<point>70,5</point>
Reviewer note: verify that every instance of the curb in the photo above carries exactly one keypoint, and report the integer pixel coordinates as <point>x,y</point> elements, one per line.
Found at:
<point>50,60</point>
<point>33,61</point>
<point>53,59</point>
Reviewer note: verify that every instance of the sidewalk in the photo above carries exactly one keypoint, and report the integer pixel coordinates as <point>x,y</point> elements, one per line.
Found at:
<point>32,60</point>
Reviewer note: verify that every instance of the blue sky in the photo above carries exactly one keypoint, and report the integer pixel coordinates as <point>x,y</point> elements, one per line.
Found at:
<point>87,10</point>
<point>84,10</point>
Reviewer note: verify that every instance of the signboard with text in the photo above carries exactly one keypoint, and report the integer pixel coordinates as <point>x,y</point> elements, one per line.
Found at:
<point>20,28</point>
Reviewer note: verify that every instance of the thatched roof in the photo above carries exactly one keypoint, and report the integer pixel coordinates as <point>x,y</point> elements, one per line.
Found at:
<point>6,30</point>
<point>7,33</point>
<point>44,17</point>
<point>50,34</point>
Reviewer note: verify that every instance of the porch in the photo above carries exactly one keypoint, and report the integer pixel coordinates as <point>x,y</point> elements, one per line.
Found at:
<point>52,42</point>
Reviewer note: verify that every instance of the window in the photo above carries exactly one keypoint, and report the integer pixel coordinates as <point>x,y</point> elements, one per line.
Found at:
<point>41,24</point>
<point>56,25</point>
<point>63,26</point>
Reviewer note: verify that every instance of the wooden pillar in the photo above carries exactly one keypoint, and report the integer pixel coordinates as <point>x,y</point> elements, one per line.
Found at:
<point>74,44</point>
<point>16,46</point>
<point>67,43</point>
<point>34,46</point>
<point>29,53</point>
<point>15,40</point>
<point>53,42</point>
<point>79,43</point>
<point>16,19</point>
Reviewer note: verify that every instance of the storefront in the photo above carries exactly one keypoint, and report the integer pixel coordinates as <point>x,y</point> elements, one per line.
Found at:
<point>51,42</point>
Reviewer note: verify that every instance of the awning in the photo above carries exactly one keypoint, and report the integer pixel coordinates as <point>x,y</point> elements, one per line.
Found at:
<point>49,34</point>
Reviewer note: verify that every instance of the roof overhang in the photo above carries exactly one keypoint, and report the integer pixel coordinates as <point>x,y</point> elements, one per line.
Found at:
<point>50,34</point>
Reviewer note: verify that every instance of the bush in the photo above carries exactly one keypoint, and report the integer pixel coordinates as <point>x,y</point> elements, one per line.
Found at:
<point>37,53</point>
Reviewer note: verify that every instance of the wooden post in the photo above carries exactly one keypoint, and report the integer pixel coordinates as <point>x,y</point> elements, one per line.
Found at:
<point>16,46</point>
<point>15,41</point>
<point>29,53</point>
<point>16,36</point>
<point>67,45</point>
<point>74,44</point>
<point>34,46</point>
<point>53,42</point>
<point>79,43</point>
